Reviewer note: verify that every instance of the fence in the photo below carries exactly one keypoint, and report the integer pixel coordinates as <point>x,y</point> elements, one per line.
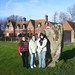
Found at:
<point>9,38</point>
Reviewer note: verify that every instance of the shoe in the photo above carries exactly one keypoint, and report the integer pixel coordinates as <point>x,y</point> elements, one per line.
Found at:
<point>34,65</point>
<point>31,67</point>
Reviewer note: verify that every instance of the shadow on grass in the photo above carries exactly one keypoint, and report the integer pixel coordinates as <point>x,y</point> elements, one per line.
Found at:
<point>68,54</point>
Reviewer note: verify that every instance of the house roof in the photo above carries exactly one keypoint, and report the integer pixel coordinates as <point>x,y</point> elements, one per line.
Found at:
<point>51,23</point>
<point>72,24</point>
<point>21,23</point>
<point>41,21</point>
<point>33,22</point>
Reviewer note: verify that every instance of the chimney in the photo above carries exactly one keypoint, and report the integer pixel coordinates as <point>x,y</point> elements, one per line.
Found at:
<point>46,18</point>
<point>24,19</point>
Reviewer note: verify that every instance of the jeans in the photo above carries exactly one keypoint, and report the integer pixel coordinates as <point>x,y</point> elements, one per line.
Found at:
<point>32,61</point>
<point>42,56</point>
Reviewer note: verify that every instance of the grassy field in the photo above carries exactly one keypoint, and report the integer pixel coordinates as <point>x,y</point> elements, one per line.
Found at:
<point>11,63</point>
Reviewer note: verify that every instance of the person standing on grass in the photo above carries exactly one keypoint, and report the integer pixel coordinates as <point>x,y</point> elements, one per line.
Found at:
<point>23,50</point>
<point>32,51</point>
<point>42,42</point>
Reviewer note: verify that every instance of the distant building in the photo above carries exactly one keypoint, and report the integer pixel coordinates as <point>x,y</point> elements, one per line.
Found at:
<point>69,31</point>
<point>30,27</point>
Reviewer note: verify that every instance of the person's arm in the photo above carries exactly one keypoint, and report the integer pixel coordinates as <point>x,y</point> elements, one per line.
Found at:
<point>44,43</point>
<point>38,44</point>
<point>30,50</point>
<point>19,50</point>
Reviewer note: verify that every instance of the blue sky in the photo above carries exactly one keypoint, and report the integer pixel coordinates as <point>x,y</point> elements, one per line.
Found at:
<point>33,9</point>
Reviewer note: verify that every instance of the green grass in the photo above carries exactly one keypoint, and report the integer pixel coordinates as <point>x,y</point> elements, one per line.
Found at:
<point>11,62</point>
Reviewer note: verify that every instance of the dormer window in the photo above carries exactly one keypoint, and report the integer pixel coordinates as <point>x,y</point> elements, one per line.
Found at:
<point>39,25</point>
<point>18,26</point>
<point>24,26</point>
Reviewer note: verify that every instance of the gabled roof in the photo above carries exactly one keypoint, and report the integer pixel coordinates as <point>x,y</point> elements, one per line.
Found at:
<point>20,23</point>
<point>41,21</point>
<point>53,23</point>
<point>72,24</point>
<point>33,22</point>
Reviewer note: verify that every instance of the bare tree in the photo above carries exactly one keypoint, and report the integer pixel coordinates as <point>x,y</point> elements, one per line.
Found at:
<point>13,20</point>
<point>63,17</point>
<point>71,11</point>
<point>3,24</point>
<point>0,23</point>
<point>55,17</point>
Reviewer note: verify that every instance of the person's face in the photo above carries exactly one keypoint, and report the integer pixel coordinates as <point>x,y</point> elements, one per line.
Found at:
<point>23,38</point>
<point>41,36</point>
<point>33,37</point>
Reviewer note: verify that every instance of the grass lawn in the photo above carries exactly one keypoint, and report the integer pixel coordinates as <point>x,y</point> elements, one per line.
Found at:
<point>11,63</point>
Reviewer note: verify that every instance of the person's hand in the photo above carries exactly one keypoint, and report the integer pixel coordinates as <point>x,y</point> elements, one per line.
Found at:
<point>21,54</point>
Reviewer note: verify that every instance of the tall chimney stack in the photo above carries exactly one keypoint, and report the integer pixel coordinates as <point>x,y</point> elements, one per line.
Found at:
<point>24,19</point>
<point>46,18</point>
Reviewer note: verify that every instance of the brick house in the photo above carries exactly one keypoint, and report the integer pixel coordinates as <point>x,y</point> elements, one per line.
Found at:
<point>69,31</point>
<point>31,26</point>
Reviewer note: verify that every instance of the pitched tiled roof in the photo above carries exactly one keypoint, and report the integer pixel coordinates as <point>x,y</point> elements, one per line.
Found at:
<point>20,23</point>
<point>33,22</point>
<point>41,21</point>
<point>72,24</point>
<point>53,23</point>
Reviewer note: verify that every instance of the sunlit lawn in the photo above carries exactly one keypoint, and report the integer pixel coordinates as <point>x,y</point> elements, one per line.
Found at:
<point>11,63</point>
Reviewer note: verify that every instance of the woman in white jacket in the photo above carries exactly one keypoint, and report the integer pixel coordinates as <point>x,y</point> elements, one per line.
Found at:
<point>32,51</point>
<point>42,48</point>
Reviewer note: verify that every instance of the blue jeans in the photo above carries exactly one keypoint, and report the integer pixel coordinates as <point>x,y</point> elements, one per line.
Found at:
<point>42,56</point>
<point>32,61</point>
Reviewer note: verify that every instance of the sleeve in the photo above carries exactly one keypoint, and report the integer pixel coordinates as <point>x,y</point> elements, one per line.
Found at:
<point>38,44</point>
<point>19,49</point>
<point>44,43</point>
<point>30,51</point>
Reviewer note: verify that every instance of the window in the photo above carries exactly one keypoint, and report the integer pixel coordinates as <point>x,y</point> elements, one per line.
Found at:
<point>39,25</point>
<point>7,34</point>
<point>30,27</point>
<point>23,26</point>
<point>10,28</point>
<point>17,27</point>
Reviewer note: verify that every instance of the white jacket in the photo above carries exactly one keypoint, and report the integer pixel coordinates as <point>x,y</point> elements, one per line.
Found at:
<point>43,47</point>
<point>32,46</point>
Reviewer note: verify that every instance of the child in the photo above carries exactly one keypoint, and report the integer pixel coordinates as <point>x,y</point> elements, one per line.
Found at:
<point>23,50</point>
